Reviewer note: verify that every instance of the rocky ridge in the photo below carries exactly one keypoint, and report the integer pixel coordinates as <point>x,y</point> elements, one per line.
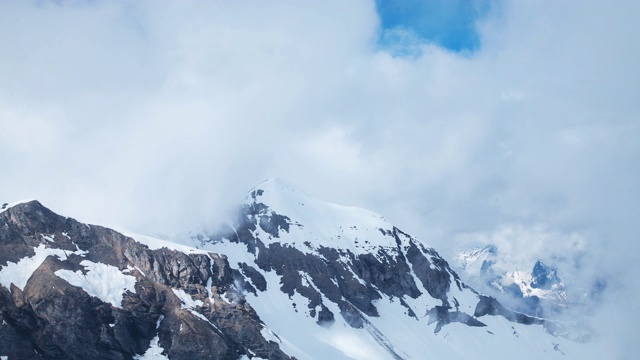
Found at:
<point>184,303</point>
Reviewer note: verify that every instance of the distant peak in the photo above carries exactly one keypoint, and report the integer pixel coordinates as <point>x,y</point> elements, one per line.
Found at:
<point>491,249</point>
<point>543,276</point>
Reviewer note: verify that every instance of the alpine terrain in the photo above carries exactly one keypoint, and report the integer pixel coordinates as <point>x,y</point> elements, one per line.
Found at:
<point>290,277</point>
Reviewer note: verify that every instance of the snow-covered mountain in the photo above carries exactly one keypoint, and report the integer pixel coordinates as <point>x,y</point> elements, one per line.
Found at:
<point>535,290</point>
<point>291,276</point>
<point>376,291</point>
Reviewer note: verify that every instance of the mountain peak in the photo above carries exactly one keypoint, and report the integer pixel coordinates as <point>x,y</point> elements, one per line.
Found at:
<point>279,195</point>
<point>6,206</point>
<point>316,221</point>
<point>275,187</point>
<point>543,276</point>
<point>275,183</point>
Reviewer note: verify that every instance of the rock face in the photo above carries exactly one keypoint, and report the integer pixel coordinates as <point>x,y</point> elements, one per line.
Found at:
<point>77,291</point>
<point>544,277</point>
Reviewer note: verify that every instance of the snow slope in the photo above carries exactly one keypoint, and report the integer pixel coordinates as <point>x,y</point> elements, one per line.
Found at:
<point>319,222</point>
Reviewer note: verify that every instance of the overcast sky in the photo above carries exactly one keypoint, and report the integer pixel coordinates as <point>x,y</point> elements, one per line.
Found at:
<point>514,117</point>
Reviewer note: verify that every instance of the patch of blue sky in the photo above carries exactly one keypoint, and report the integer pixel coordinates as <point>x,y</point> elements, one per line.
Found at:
<point>450,24</point>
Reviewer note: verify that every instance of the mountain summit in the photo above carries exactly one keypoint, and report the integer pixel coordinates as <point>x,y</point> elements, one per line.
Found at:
<point>289,216</point>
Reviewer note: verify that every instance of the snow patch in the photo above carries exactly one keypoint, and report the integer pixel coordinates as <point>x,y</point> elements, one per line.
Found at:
<point>209,293</point>
<point>160,318</point>
<point>130,268</point>
<point>204,318</point>
<point>48,238</point>
<point>103,281</point>
<point>187,301</point>
<point>19,273</point>
<point>189,304</point>
<point>154,352</point>
<point>269,335</point>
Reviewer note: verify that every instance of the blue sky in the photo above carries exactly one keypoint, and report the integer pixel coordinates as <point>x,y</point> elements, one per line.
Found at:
<point>450,24</point>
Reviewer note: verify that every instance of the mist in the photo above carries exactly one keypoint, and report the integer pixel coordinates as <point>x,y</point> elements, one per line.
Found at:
<point>158,116</point>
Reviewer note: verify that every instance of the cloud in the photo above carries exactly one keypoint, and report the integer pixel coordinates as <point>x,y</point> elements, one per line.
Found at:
<point>160,115</point>
<point>519,247</point>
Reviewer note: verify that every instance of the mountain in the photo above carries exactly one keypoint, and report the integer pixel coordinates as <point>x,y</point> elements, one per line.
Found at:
<point>544,277</point>
<point>290,276</point>
<point>538,291</point>
<point>76,291</point>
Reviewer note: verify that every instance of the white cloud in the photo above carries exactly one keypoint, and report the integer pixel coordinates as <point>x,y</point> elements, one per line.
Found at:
<point>157,115</point>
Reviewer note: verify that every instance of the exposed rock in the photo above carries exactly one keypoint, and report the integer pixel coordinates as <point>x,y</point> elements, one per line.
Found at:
<point>52,319</point>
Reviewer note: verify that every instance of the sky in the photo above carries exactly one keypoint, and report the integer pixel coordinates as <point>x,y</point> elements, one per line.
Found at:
<point>461,122</point>
<point>449,24</point>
